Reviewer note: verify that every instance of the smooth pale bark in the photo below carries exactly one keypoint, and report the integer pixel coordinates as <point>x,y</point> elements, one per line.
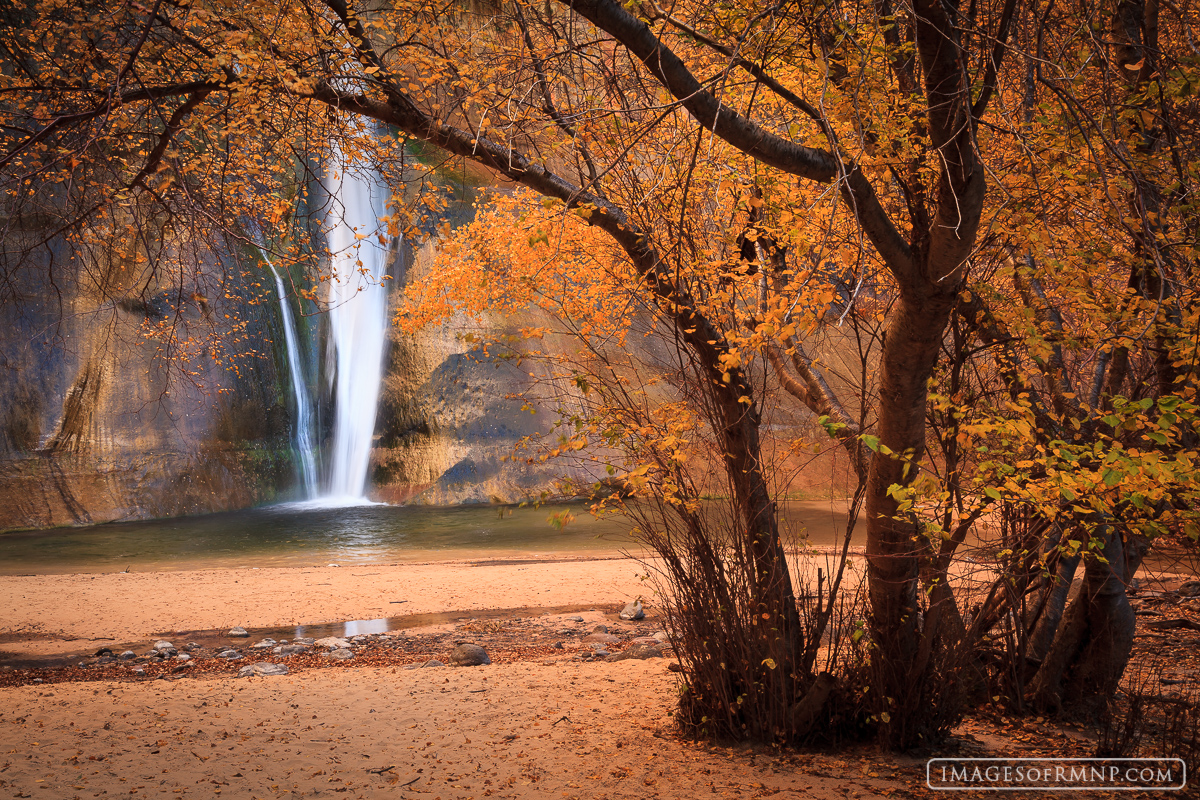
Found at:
<point>1052,611</point>
<point>1095,638</point>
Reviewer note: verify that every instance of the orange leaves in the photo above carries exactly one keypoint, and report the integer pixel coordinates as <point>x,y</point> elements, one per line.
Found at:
<point>519,253</point>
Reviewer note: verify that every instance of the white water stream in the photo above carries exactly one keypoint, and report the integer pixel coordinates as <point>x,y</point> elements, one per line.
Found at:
<point>358,321</point>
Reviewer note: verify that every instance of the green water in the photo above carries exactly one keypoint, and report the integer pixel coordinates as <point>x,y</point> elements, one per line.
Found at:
<point>292,535</point>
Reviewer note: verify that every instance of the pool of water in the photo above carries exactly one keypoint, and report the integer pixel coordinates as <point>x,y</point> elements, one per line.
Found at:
<point>300,535</point>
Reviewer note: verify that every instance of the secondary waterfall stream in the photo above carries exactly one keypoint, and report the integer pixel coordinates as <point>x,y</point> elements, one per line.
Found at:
<point>358,322</point>
<point>303,432</point>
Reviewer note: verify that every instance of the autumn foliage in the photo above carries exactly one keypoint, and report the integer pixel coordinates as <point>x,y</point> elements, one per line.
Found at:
<point>960,242</point>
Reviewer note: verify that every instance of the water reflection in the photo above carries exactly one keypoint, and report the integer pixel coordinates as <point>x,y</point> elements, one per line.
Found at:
<point>299,534</point>
<point>356,627</point>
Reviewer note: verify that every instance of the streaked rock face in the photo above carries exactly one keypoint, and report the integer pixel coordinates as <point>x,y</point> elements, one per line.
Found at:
<point>116,402</point>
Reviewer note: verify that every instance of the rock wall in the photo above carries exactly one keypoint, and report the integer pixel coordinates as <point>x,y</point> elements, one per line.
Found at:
<point>101,421</point>
<point>123,395</point>
<point>450,418</point>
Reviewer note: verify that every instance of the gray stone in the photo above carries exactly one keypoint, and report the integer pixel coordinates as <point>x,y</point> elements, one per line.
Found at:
<point>128,655</point>
<point>262,668</point>
<point>633,611</point>
<point>469,655</point>
<point>291,649</point>
<point>600,629</point>
<point>163,646</point>
<point>265,644</point>
<point>305,640</point>
<point>575,619</point>
<point>183,657</point>
<point>340,654</point>
<point>433,662</point>
<point>636,651</point>
<point>333,643</point>
<point>238,632</point>
<point>230,655</point>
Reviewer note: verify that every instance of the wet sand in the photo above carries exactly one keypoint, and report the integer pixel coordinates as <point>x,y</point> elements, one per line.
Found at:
<point>44,614</point>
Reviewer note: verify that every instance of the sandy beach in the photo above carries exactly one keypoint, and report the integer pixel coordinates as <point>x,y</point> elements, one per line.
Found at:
<point>551,717</point>
<point>539,728</point>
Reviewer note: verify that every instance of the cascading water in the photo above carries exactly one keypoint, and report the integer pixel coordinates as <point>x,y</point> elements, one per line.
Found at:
<point>303,432</point>
<point>358,321</point>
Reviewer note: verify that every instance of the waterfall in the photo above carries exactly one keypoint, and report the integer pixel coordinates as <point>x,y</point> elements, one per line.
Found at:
<point>303,432</point>
<point>358,321</point>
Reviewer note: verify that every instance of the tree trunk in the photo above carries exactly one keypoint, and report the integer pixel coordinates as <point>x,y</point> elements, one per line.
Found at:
<point>1052,611</point>
<point>894,548</point>
<point>1091,648</point>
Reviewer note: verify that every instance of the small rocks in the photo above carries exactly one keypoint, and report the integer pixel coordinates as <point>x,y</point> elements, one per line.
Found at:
<point>263,668</point>
<point>469,655</point>
<point>333,643</point>
<point>290,649</point>
<point>340,654</point>
<point>633,611</point>
<point>238,632</point>
<point>637,650</point>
